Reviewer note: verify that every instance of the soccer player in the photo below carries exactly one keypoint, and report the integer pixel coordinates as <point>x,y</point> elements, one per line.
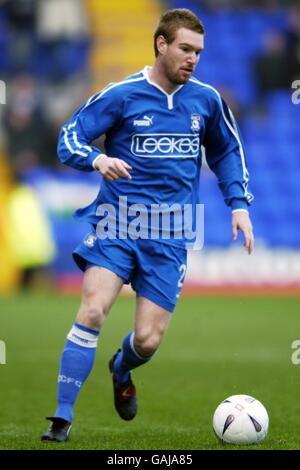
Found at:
<point>155,123</point>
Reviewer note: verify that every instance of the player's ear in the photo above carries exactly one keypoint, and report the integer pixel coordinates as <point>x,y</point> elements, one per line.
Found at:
<point>161,44</point>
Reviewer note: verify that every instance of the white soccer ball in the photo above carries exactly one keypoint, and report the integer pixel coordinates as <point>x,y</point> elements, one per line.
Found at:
<point>241,419</point>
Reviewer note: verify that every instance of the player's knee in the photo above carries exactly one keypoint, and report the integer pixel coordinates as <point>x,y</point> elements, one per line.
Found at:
<point>93,317</point>
<point>147,343</point>
<point>93,309</point>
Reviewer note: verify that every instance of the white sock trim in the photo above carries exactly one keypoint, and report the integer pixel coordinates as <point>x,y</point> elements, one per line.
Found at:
<point>82,338</point>
<point>143,358</point>
<point>133,348</point>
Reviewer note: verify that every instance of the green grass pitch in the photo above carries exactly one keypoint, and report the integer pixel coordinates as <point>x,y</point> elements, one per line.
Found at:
<point>215,347</point>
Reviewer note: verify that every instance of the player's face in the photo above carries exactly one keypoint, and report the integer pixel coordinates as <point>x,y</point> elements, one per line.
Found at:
<point>179,59</point>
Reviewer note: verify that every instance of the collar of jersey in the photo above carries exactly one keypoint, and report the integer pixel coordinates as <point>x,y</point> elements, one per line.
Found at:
<point>168,95</point>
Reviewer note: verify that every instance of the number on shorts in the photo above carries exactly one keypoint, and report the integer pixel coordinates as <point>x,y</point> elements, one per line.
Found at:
<point>182,270</point>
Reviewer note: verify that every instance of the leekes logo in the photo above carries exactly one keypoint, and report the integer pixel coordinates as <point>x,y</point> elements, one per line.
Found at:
<point>165,145</point>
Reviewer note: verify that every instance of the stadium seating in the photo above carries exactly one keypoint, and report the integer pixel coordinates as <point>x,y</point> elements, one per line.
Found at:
<point>272,141</point>
<point>4,43</point>
<point>122,37</point>
<point>59,60</point>
<point>233,39</point>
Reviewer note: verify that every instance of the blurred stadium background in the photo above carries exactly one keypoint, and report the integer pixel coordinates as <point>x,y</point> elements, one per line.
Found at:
<point>54,55</point>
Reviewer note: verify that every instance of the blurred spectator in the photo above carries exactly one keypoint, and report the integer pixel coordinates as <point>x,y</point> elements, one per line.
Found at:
<point>61,19</point>
<point>29,236</point>
<point>274,68</point>
<point>60,98</point>
<point>27,136</point>
<point>48,38</point>
<point>293,40</point>
<point>63,33</point>
<point>21,16</point>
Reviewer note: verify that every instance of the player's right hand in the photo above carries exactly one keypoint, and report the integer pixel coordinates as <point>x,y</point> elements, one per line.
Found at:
<point>241,221</point>
<point>112,168</point>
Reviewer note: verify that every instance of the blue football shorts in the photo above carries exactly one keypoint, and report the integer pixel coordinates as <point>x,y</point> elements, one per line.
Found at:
<point>154,269</point>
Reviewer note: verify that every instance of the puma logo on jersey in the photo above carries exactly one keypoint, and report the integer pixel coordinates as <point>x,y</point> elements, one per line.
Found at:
<point>146,121</point>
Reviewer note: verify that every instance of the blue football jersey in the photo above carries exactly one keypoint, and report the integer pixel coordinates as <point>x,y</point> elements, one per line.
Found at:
<point>161,136</point>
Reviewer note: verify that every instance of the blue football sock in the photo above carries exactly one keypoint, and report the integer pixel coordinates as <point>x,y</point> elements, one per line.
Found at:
<point>127,360</point>
<point>76,364</point>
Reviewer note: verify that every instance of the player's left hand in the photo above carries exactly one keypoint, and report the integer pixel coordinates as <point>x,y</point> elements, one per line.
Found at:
<point>241,221</point>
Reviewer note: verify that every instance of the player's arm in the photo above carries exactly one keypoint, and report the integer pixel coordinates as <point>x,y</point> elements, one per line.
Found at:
<point>100,114</point>
<point>225,156</point>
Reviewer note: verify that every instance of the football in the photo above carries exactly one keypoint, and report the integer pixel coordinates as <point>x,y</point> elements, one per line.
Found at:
<point>241,419</point>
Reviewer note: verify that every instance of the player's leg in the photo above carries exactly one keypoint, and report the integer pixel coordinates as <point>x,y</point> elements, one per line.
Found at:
<point>151,323</point>
<point>99,291</point>
<point>158,284</point>
<point>100,288</point>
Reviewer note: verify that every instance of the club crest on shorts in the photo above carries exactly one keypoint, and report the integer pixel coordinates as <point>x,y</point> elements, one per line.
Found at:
<point>90,240</point>
<point>195,118</point>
